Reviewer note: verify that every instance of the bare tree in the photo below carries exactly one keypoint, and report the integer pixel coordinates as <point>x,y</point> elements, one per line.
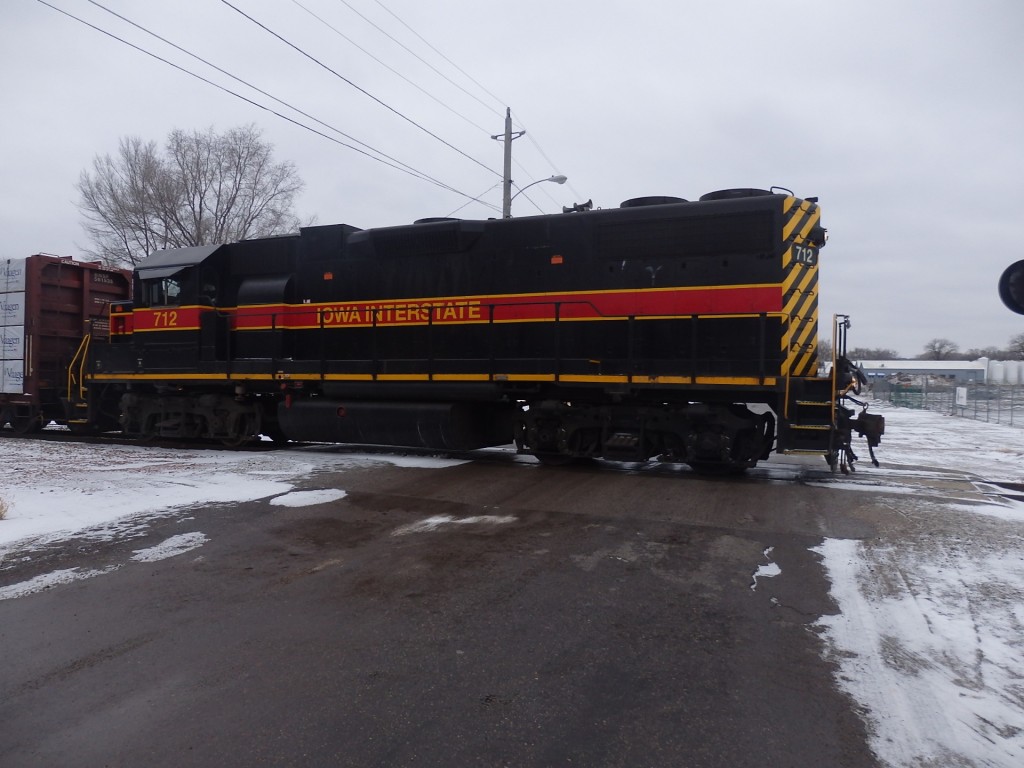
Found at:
<point>122,203</point>
<point>940,349</point>
<point>207,188</point>
<point>824,349</point>
<point>992,353</point>
<point>1016,347</point>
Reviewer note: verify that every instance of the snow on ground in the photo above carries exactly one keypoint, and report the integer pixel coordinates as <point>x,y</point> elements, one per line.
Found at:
<point>435,522</point>
<point>931,439</point>
<point>172,547</point>
<point>56,490</point>
<point>308,498</point>
<point>929,641</point>
<point>48,580</point>
<point>53,491</point>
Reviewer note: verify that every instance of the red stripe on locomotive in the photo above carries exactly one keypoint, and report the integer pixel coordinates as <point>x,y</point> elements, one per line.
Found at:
<point>524,308</point>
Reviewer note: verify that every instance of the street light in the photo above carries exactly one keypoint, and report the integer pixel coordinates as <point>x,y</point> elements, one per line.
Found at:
<point>558,179</point>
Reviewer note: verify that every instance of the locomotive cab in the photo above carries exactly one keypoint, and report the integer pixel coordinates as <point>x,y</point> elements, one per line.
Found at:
<point>174,314</point>
<point>191,285</point>
<point>178,278</point>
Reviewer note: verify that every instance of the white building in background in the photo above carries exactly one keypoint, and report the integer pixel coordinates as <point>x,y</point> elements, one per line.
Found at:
<point>960,371</point>
<point>980,371</point>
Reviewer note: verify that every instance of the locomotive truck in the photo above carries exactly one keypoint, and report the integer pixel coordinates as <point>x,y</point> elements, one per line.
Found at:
<point>685,330</point>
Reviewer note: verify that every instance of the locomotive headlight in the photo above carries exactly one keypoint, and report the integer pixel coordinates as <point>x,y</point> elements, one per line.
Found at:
<point>1011,287</point>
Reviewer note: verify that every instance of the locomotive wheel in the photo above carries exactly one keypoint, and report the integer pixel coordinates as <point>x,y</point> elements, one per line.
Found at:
<point>242,430</point>
<point>237,441</point>
<point>148,432</point>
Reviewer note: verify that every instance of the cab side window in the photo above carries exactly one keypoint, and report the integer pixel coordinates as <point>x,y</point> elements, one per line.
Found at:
<point>163,292</point>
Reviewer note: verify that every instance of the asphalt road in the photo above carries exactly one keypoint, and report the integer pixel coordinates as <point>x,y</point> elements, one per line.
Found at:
<point>587,617</point>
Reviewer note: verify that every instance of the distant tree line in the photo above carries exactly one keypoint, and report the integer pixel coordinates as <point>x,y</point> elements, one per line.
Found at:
<point>944,349</point>
<point>935,349</point>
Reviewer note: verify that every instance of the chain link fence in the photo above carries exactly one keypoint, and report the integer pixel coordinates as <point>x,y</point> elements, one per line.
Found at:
<point>996,403</point>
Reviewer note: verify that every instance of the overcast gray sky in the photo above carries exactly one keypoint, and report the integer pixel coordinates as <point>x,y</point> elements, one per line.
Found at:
<point>903,116</point>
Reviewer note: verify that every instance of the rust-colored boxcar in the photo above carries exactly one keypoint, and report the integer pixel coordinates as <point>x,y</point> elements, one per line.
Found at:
<point>47,305</point>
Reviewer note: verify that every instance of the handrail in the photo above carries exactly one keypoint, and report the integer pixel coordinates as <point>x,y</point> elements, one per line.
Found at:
<point>79,358</point>
<point>839,325</point>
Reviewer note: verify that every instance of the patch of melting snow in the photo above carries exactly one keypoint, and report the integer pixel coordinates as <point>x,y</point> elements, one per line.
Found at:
<point>933,658</point>
<point>52,579</point>
<point>342,458</point>
<point>767,570</point>
<point>999,503</point>
<point>308,498</point>
<point>872,485</point>
<point>176,545</point>
<point>437,521</point>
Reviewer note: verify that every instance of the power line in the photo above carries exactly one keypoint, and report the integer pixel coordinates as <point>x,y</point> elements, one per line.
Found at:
<point>411,172</point>
<point>414,54</point>
<point>358,88</point>
<point>391,69</point>
<point>552,164</point>
<point>441,74</point>
<point>477,200</point>
<point>414,171</point>
<point>474,81</point>
<point>435,50</point>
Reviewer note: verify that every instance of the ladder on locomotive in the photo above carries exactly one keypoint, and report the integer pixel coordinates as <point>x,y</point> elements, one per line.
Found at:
<point>809,424</point>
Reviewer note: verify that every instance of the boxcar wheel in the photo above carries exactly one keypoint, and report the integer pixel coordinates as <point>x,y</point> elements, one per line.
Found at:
<point>27,423</point>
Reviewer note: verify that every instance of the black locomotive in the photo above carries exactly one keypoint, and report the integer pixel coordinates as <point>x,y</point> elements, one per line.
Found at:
<point>685,330</point>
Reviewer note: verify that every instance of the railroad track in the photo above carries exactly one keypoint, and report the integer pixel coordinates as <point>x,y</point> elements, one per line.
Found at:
<point>64,435</point>
<point>787,468</point>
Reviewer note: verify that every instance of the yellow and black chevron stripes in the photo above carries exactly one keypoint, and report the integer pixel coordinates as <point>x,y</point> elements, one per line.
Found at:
<point>799,217</point>
<point>800,290</point>
<point>800,308</point>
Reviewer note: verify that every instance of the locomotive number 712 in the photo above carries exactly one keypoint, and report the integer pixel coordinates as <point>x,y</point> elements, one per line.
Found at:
<point>804,254</point>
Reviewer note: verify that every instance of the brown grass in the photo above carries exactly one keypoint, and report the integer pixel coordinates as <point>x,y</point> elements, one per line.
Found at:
<point>4,506</point>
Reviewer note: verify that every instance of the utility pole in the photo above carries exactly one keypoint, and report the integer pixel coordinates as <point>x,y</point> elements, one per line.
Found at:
<point>506,198</point>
